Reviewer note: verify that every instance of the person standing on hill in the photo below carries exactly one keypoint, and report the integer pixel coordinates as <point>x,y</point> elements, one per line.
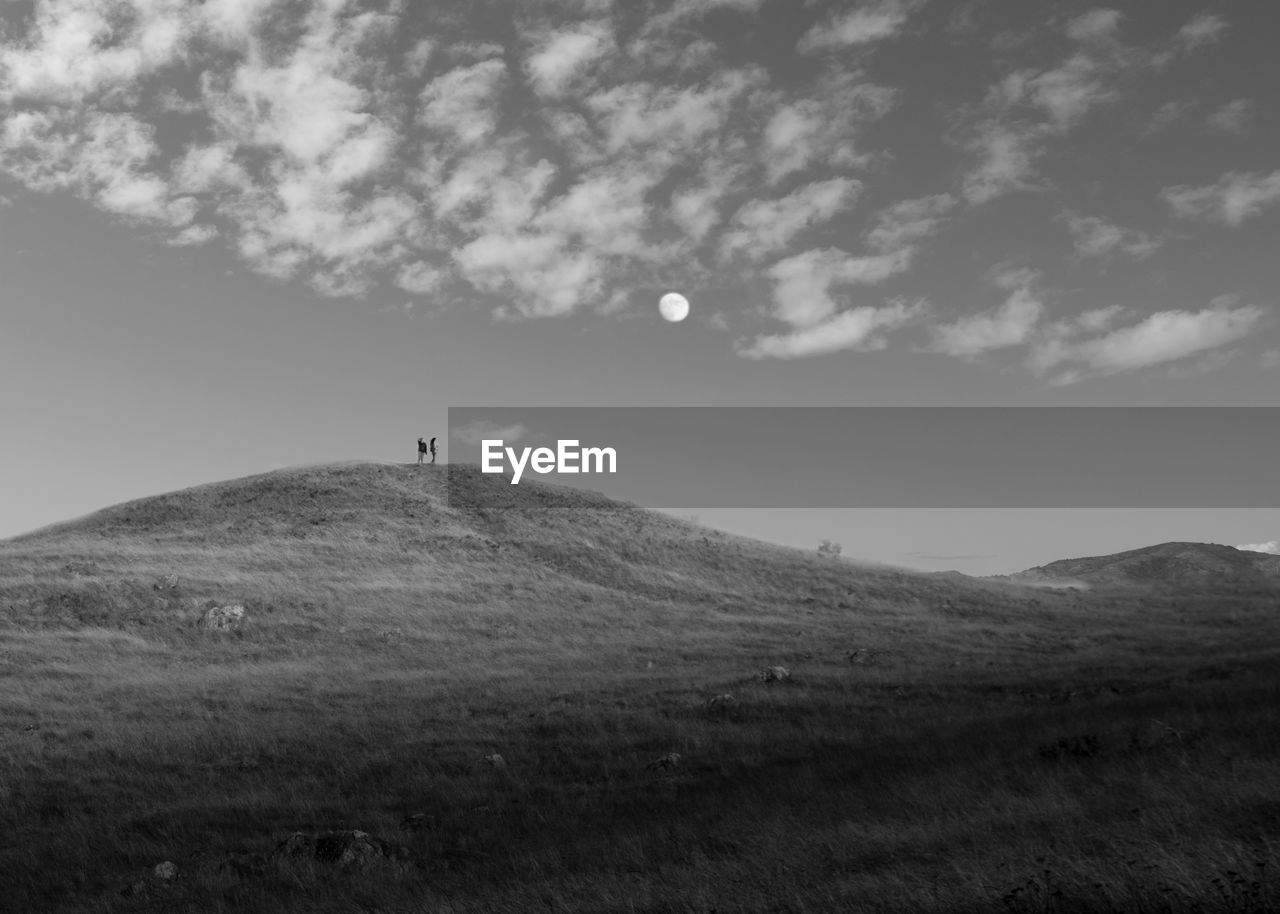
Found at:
<point>422,450</point>
<point>433,450</point>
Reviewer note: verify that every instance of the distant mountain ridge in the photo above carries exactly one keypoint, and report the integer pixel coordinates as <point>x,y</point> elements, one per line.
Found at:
<point>1194,565</point>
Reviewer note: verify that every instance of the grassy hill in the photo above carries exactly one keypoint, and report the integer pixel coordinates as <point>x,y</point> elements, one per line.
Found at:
<point>939,744</point>
<point>1204,567</point>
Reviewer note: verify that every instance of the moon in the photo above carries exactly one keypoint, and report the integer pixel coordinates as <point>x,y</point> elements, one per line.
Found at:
<point>674,307</point>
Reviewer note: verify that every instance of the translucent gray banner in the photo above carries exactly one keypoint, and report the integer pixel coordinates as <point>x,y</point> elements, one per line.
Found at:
<point>866,457</point>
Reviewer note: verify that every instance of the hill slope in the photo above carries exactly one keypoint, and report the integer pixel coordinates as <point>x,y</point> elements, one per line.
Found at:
<point>1203,566</point>
<point>385,538</point>
<point>937,745</point>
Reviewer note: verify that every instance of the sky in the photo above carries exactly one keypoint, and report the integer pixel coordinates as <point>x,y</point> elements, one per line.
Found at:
<point>248,234</point>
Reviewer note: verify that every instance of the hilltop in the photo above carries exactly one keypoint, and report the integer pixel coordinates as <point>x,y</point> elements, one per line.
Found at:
<point>1199,566</point>
<point>341,525</point>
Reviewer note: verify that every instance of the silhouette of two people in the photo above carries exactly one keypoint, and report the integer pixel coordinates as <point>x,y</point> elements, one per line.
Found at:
<point>424,449</point>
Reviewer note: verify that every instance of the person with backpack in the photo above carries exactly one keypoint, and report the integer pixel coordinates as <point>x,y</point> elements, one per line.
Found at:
<point>433,450</point>
<point>422,451</point>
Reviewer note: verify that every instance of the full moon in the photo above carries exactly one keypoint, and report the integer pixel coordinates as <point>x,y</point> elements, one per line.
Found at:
<point>674,307</point>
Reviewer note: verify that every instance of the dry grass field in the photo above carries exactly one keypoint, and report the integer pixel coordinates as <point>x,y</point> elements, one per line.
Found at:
<point>938,745</point>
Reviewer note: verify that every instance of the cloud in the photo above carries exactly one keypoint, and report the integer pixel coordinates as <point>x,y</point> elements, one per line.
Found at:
<point>909,221</point>
<point>1009,325</point>
<point>332,144</point>
<point>716,321</point>
<point>695,207</point>
<point>854,27</point>
<point>1095,237</point>
<point>1232,199</point>
<point>701,7</point>
<point>803,282</point>
<point>1095,27</point>
<point>537,268</point>
<point>674,121</point>
<point>1095,320</point>
<point>419,278</point>
<point>821,129</point>
<point>1028,109</point>
<point>1233,117</point>
<point>78,49</point>
<point>685,12</point>
<point>299,139</point>
<point>1166,336</point>
<point>603,209</point>
<point>550,255</point>
<point>1200,30</point>
<point>687,57</point>
<point>327,143</point>
<point>1166,114</point>
<point>206,169</point>
<point>1269,359</point>
<point>763,227</point>
<point>860,329</point>
<point>476,432</point>
<point>193,236</point>
<point>1272,547</point>
<point>1007,155</point>
<point>1069,92</point>
<point>468,52</point>
<point>555,239</point>
<point>496,190</point>
<point>106,158</point>
<point>564,54</point>
<point>235,21</point>
<point>463,102</point>
<point>294,144</point>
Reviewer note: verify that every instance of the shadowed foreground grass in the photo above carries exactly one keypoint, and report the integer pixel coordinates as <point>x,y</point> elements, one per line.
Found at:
<point>1001,748</point>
